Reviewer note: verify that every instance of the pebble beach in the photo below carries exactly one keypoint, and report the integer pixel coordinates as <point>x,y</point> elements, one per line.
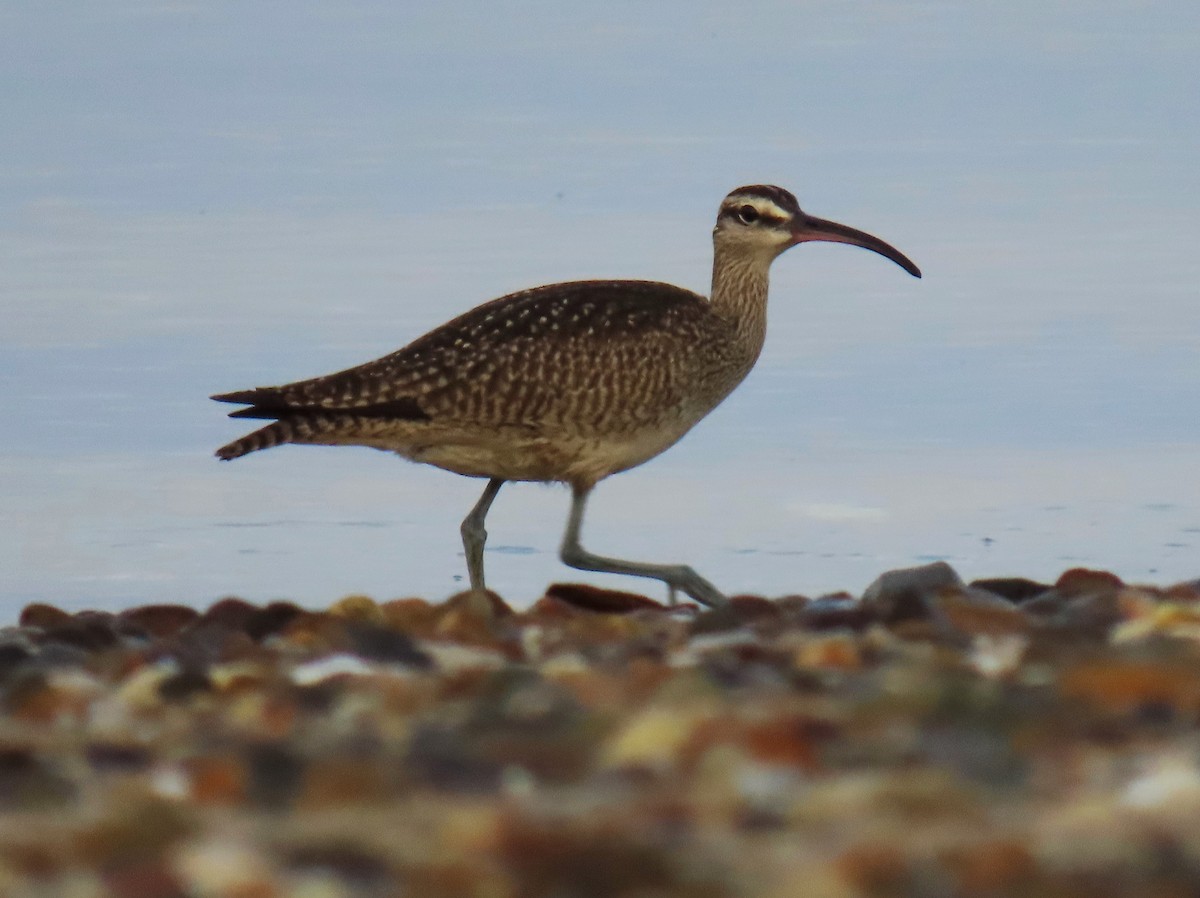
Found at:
<point>929,737</point>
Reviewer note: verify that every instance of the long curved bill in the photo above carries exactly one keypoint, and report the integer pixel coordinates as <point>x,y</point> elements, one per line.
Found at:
<point>807,228</point>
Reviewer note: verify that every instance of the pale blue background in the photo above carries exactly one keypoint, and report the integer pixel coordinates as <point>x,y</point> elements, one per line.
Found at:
<point>197,197</point>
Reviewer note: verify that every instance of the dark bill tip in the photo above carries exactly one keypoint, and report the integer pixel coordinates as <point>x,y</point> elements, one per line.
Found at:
<point>809,229</point>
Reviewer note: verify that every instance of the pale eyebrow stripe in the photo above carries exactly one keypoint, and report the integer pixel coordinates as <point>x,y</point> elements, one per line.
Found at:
<point>765,207</point>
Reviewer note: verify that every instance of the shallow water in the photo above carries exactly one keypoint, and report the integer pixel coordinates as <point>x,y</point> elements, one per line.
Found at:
<point>189,207</point>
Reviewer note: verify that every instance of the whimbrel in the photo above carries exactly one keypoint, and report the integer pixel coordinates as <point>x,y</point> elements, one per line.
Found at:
<point>568,382</point>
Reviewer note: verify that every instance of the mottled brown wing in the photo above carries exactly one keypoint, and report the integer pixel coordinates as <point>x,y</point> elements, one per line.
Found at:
<point>541,332</point>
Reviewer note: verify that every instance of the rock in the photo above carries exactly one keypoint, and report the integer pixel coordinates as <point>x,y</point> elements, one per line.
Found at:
<point>42,616</point>
<point>231,613</point>
<point>1015,589</point>
<point>13,655</point>
<point>184,684</point>
<point>487,605</point>
<point>118,757</point>
<point>740,612</point>
<point>88,631</point>
<point>28,782</point>
<point>216,780</point>
<point>416,617</point>
<point>1187,591</point>
<point>1083,603</point>
<point>364,872</point>
<point>1128,685</point>
<point>910,593</point>
<point>363,609</point>
<point>994,866</point>
<point>274,775</point>
<point>160,620</point>
<point>1003,738</point>
<point>603,601</point>
<point>143,879</point>
<point>1082,581</point>
<point>980,612</point>
<point>385,646</point>
<point>836,612</point>
<point>271,620</point>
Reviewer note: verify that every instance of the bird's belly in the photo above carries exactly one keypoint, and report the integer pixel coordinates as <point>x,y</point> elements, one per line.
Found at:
<point>571,458</point>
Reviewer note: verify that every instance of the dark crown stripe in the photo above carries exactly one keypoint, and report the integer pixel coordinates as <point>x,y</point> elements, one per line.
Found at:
<point>777,195</point>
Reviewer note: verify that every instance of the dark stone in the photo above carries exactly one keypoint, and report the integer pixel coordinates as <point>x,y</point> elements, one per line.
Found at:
<point>441,756</point>
<point>1015,589</point>
<point>516,699</point>
<point>791,606</point>
<point>181,686</point>
<point>604,601</point>
<point>741,611</point>
<point>207,643</point>
<point>58,654</point>
<point>982,754</point>
<point>275,775</point>
<point>836,613</point>
<point>385,646</point>
<point>27,783</point>
<point>1091,614</point>
<point>271,620</point>
<point>756,820</point>
<point>1045,604</point>
<point>318,697</point>
<point>160,620</point>
<point>12,656</point>
<point>232,613</point>
<point>118,757</point>
<point>716,620</point>
<point>595,860</point>
<point>748,666</point>
<point>349,863</point>
<point>89,631</point>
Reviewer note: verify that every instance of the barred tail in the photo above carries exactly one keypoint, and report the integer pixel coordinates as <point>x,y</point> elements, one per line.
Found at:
<point>274,434</point>
<point>325,428</point>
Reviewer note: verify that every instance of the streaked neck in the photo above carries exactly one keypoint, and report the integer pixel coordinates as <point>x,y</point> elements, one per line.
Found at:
<point>739,292</point>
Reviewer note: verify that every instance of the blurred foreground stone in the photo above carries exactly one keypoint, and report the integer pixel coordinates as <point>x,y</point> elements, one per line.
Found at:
<point>931,738</point>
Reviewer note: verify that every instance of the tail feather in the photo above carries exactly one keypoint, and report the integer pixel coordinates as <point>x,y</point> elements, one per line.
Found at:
<point>245,397</point>
<point>321,427</point>
<point>274,434</point>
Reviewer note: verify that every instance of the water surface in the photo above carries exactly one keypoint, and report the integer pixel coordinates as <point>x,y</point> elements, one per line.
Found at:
<point>203,197</point>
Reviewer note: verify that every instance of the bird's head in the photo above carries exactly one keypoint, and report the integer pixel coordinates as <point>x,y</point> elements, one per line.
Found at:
<point>763,221</point>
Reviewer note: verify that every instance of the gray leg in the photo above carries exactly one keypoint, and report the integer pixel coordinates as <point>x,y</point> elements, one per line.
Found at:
<point>473,534</point>
<point>676,576</point>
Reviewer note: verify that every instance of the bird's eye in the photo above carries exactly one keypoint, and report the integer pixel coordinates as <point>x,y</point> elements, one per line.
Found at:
<point>747,214</point>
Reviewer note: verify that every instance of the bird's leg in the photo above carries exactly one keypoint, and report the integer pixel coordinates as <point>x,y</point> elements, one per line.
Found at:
<point>473,534</point>
<point>676,576</point>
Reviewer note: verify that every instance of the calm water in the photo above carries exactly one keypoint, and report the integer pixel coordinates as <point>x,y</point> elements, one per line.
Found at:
<point>197,197</point>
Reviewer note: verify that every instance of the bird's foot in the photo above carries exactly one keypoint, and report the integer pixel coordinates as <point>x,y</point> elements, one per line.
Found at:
<point>688,581</point>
